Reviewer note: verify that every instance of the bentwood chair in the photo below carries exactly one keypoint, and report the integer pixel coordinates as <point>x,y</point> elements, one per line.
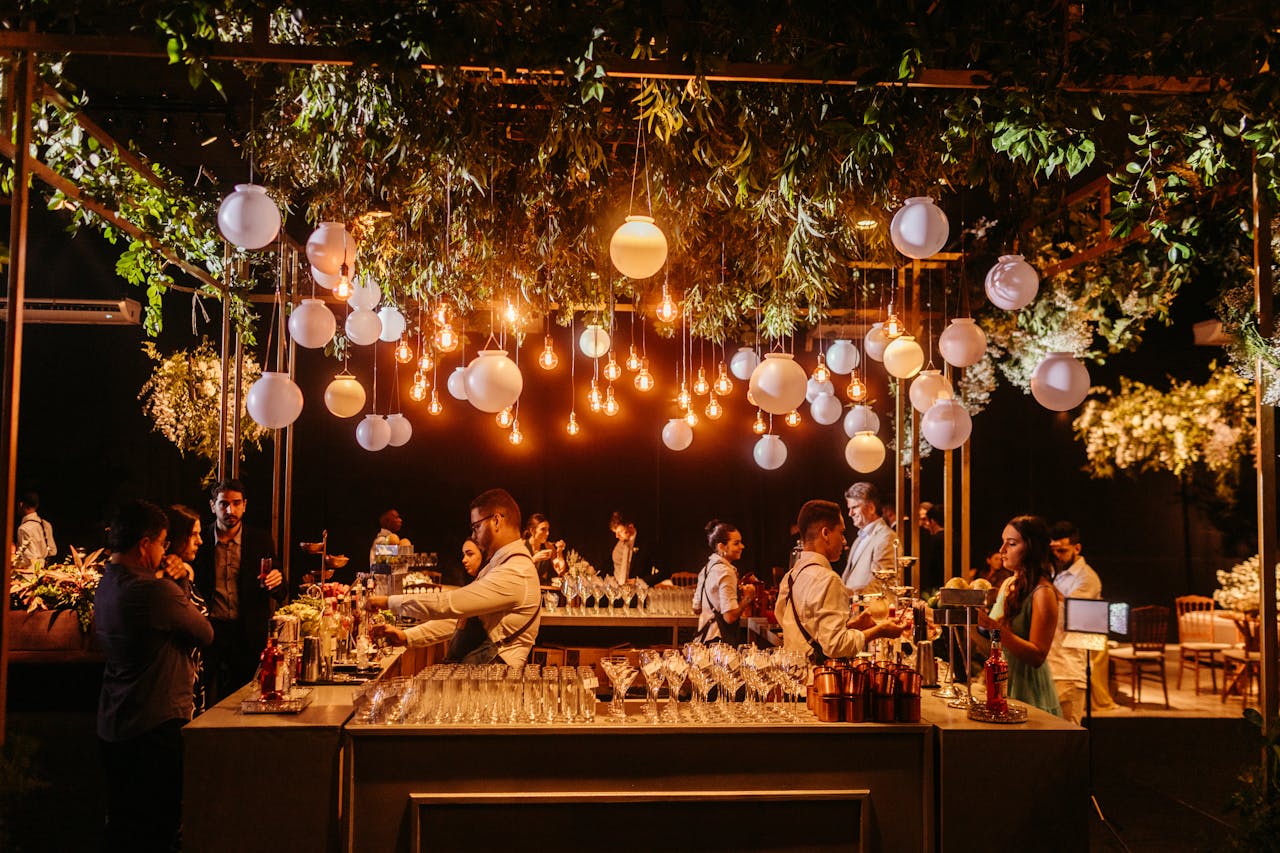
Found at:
<point>1241,667</point>
<point>1195,638</point>
<point>1149,627</point>
<point>685,580</point>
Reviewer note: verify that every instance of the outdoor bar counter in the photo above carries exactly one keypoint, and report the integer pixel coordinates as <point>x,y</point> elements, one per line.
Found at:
<point>319,781</point>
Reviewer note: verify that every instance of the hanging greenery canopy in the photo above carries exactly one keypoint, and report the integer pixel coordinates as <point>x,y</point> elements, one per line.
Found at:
<point>487,151</point>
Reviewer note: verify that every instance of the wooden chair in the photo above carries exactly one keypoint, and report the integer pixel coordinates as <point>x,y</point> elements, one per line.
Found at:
<point>1241,667</point>
<point>1195,638</point>
<point>685,580</point>
<point>1149,628</point>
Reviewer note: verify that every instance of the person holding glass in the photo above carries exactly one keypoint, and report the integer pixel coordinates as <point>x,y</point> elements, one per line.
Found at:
<point>548,557</point>
<point>495,617</point>
<point>716,598</point>
<point>1026,612</point>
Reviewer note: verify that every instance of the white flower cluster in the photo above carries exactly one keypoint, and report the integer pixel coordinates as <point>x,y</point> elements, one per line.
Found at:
<point>1241,588</point>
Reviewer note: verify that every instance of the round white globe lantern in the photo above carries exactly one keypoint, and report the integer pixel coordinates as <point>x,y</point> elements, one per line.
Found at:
<point>865,452</point>
<point>363,327</point>
<point>743,362</point>
<point>248,217</point>
<point>778,384</point>
<point>903,357</point>
<point>927,387</point>
<point>330,246</point>
<point>861,419</point>
<point>344,396</point>
<point>392,323</point>
<point>373,432</point>
<point>594,341</point>
<point>638,248</point>
<point>274,401</point>
<point>825,409</point>
<point>813,389</point>
<point>494,382</point>
<point>1012,283</point>
<point>401,430</point>
<point>365,295</point>
<point>876,341</point>
<point>1060,382</point>
<point>312,324</point>
<point>946,425</point>
<point>769,452</point>
<point>842,357</point>
<point>962,343</point>
<point>919,229</point>
<point>457,383</point>
<point>324,279</point>
<point>677,434</point>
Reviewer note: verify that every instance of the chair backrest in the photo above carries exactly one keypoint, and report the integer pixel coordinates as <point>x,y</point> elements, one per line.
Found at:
<point>1149,627</point>
<point>1195,618</point>
<point>685,580</point>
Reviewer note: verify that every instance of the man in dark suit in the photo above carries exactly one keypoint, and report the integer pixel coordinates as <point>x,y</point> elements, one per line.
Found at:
<point>240,597</point>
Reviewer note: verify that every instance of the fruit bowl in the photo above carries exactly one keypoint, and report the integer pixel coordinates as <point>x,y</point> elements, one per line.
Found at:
<point>312,547</point>
<point>335,561</point>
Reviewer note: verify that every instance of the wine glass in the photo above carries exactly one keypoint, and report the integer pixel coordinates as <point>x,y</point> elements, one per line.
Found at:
<point>621,674</point>
<point>675,668</point>
<point>651,667</point>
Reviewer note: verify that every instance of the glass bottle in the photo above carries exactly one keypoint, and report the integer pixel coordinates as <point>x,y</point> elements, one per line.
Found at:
<point>271,672</point>
<point>997,675</point>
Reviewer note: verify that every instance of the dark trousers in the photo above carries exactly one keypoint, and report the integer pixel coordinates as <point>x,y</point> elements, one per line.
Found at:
<point>229,662</point>
<point>144,790</point>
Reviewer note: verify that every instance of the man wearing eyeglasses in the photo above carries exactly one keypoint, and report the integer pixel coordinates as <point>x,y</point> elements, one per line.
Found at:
<point>494,618</point>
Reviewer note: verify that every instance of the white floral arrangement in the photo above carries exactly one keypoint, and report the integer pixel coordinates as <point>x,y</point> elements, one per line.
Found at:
<point>575,565</point>
<point>182,397</point>
<point>1240,589</point>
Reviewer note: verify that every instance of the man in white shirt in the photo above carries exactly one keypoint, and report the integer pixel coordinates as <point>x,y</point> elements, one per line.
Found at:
<point>875,545</point>
<point>1073,578</point>
<point>813,604</point>
<point>35,535</point>
<point>495,617</point>
<point>625,549</point>
<point>391,523</point>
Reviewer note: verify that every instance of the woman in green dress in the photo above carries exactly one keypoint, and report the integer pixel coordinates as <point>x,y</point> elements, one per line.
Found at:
<point>1026,612</point>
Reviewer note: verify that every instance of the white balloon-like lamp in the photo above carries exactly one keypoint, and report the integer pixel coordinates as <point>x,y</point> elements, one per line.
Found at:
<point>363,327</point>
<point>778,384</point>
<point>842,357</point>
<point>865,452</point>
<point>401,430</point>
<point>1012,283</point>
<point>947,424</point>
<point>274,401</point>
<point>373,432</point>
<point>769,452</point>
<point>677,434</point>
<point>312,324</point>
<point>248,218</point>
<point>638,248</point>
<point>927,387</point>
<point>344,396</point>
<point>330,246</point>
<point>861,419</point>
<point>903,357</point>
<point>743,362</point>
<point>494,382</point>
<point>919,229</point>
<point>1060,382</point>
<point>962,343</point>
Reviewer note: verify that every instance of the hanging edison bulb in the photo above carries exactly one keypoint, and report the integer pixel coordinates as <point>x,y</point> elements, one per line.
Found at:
<point>515,436</point>
<point>434,407</point>
<point>667,311</point>
<point>548,359</point>
<point>892,326</point>
<point>857,390</point>
<point>417,392</point>
<point>442,314</point>
<point>723,384</point>
<point>594,399</point>
<point>821,373</point>
<point>342,288</point>
<point>425,361</point>
<point>506,417</point>
<point>572,426</point>
<point>793,418</point>
<point>644,379</point>
<point>714,410</point>
<point>611,406</point>
<point>612,370</point>
<point>404,352</point>
<point>511,316</point>
<point>633,359</point>
<point>446,339</point>
<point>691,418</point>
<point>759,427</point>
<point>701,385</point>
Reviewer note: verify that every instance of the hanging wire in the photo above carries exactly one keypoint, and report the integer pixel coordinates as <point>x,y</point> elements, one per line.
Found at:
<point>374,349</point>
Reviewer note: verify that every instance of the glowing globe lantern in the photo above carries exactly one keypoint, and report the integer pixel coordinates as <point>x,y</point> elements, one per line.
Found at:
<point>865,452</point>
<point>373,432</point>
<point>638,248</point>
<point>248,218</point>
<point>330,246</point>
<point>861,419</point>
<point>919,229</point>
<point>927,387</point>
<point>312,324</point>
<point>677,435</point>
<point>345,395</point>
<point>1012,283</point>
<point>401,430</point>
<point>594,341</point>
<point>1060,382</point>
<point>363,327</point>
<point>494,382</point>
<point>324,279</point>
<point>946,425</point>
<point>778,384</point>
<point>903,357</point>
<point>744,361</point>
<point>392,324</point>
<point>458,383</point>
<point>825,409</point>
<point>962,343</point>
<point>842,357</point>
<point>769,452</point>
<point>365,295</point>
<point>814,388</point>
<point>876,341</point>
<point>274,401</point>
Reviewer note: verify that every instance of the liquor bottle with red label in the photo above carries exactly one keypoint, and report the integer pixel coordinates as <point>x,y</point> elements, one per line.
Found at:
<point>997,675</point>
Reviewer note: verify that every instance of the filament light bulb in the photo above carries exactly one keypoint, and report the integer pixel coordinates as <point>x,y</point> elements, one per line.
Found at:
<point>506,417</point>
<point>612,370</point>
<point>644,379</point>
<point>425,361</point>
<point>515,436</point>
<point>611,407</point>
<point>857,390</point>
<point>893,326</point>
<point>434,407</point>
<point>821,373</point>
<point>342,290</point>
<point>682,399</point>
<point>691,418</point>
<point>594,398</point>
<point>446,339</point>
<point>724,385</point>
<point>759,426</point>
<point>547,359</point>
<point>714,410</point>
<point>701,385</point>
<point>417,392</point>
<point>511,318</point>
<point>404,352</point>
<point>633,359</point>
<point>572,426</point>
<point>793,418</point>
<point>667,311</point>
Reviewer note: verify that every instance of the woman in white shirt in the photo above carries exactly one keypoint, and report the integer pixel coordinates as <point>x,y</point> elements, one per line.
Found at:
<point>716,599</point>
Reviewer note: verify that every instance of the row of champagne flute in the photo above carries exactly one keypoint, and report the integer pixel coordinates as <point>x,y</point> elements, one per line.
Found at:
<point>584,596</point>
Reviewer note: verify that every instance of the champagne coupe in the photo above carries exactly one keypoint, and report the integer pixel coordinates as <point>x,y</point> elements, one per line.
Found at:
<point>651,668</point>
<point>621,674</point>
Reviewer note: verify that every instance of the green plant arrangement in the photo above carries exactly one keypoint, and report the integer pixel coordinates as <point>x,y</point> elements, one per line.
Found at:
<point>60,586</point>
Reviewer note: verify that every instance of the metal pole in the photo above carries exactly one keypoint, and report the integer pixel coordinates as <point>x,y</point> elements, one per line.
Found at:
<point>918,327</point>
<point>1266,416</point>
<point>23,84</point>
<point>225,353</point>
<point>237,411</point>
<point>948,504</point>
<point>283,297</point>
<point>286,534</point>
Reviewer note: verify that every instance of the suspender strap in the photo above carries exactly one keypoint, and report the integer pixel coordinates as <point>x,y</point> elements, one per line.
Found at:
<point>814,646</point>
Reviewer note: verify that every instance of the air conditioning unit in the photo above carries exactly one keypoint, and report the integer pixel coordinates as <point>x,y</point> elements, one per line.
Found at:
<point>97,312</point>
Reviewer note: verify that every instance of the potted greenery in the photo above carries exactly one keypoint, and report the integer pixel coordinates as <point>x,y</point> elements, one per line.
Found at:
<point>44,598</point>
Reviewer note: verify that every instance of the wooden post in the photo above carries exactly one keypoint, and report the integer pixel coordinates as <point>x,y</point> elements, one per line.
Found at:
<point>1266,445</point>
